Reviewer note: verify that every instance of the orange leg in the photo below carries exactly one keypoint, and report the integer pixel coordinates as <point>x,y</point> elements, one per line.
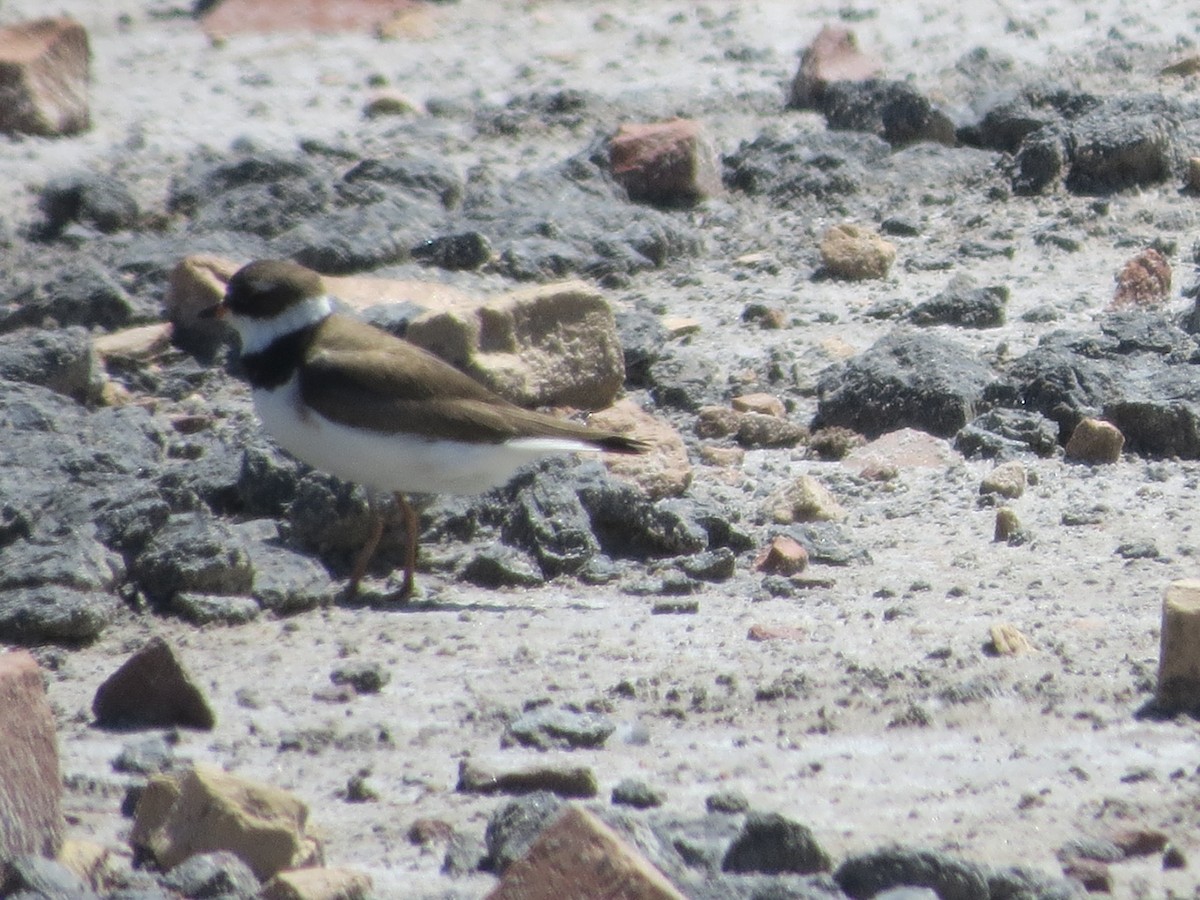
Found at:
<point>364,556</point>
<point>411,525</point>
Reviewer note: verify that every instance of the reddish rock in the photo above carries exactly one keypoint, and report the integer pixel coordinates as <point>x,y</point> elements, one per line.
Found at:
<point>30,786</point>
<point>1140,841</point>
<point>784,556</point>
<point>577,855</point>
<point>44,78</point>
<point>151,690</point>
<point>664,470</point>
<point>1144,281</point>
<point>430,831</point>
<point>776,633</point>
<point>762,403</point>
<point>672,163</point>
<point>1095,442</point>
<point>832,56</point>
<point>237,16</point>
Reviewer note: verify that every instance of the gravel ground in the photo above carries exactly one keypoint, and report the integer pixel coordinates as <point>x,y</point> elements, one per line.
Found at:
<point>878,718</point>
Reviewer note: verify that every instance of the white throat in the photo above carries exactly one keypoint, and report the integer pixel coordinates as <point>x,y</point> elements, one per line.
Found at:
<point>258,334</point>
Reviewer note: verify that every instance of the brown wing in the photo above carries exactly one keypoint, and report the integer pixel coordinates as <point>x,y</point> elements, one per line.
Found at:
<point>392,386</point>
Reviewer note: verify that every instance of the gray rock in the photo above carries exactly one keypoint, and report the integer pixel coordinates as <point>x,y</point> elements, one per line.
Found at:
<point>148,756</point>
<point>41,877</point>
<point>1040,162</point>
<point>464,251</point>
<point>54,613</point>
<point>82,293</point>
<point>498,566</point>
<point>1007,433</point>
<point>1125,142</point>
<point>559,728</point>
<point>770,843</point>
<point>686,382</point>
<point>193,553</point>
<point>904,380</point>
<point>286,581</point>
<point>62,360</point>
<point>514,827</point>
<point>220,874</point>
<point>638,794</point>
<point>729,801</point>
<point>643,341</point>
<point>1019,883</point>
<point>364,676</point>
<point>710,565</point>
<point>208,609</point>
<point>828,543</point>
<point>128,521</point>
<point>97,201</point>
<point>965,304</point>
<point>821,166</point>
<point>866,875</point>
<point>548,519</point>
<point>894,110</point>
<point>151,689</point>
<point>465,855</point>
<point>267,480</point>
<point>72,560</point>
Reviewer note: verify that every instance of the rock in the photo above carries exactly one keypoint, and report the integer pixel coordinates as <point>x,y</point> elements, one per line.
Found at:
<point>717,422</point>
<point>1040,162</point>
<point>54,613</point>
<point>1018,883</point>
<point>545,729</point>
<point>1001,433</point>
<point>96,201</point>
<point>1174,858</point>
<point>762,633</point>
<point>1126,142</point>
<point>832,56</point>
<point>287,582</point>
<point>148,756</point>
<point>802,500</point>
<point>638,794</point>
<point>455,252</point>
<point>214,811</point>
<point>1094,876</point>
<point>318,884</point>
<point>685,381</point>
<point>497,566</point>
<point>388,102</point>
<point>827,544</point>
<point>853,253</point>
<point>364,676</point>
<point>513,827</point>
<point>1143,281</point>
<point>758,430</point>
<point>31,819</point>
<point>547,518</point>
<point>577,855</point>
<point>893,110</point>
<point>231,17</point>
<point>1095,442</point>
<point>868,874</point>
<point>728,801</point>
<point>1006,640</point>
<point>31,876</point>
<point>760,403</point>
<point>670,163</point>
<point>822,166</point>
<point>219,874</point>
<point>1193,173</point>
<point>62,360</point>
<point>44,76</point>
<point>663,470</point>
<point>770,843</point>
<point>208,609</point>
<point>904,380</point>
<point>783,556</point>
<point>1135,842</point>
<point>140,344</point>
<point>151,689</point>
<point>545,346</point>
<point>195,284</point>
<point>87,860</point>
<point>1006,480</point>
<point>1179,651</point>
<point>193,553</point>
<point>564,781</point>
<point>711,565</point>
<point>1008,525</point>
<point>964,304</point>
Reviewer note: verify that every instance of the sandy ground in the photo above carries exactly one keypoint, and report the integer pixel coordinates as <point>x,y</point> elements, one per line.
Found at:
<point>1019,754</point>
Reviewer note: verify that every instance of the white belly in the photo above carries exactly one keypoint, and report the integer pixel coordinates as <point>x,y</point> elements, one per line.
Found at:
<point>395,462</point>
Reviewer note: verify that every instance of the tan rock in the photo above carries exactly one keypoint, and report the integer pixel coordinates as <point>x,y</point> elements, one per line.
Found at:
<point>1193,173</point>
<point>1188,65</point>
<point>578,856</point>
<point>1007,524</point>
<point>261,824</point>
<point>1006,640</point>
<point>565,781</point>
<point>1145,280</point>
<point>1007,480</point>
<point>905,448</point>
<point>777,633</point>
<point>726,457</point>
<point>854,253</point>
<point>153,806</point>
<point>87,859</point>
<point>662,471</point>
<point>318,884</point>
<point>196,283</point>
<point>1095,442</point>
<point>832,56</point>
<point>783,556</point>
<point>762,403</point>
<point>44,76</point>
<point>803,500</point>
<point>717,421</point>
<point>550,345</point>
<point>680,326</point>
<point>31,819</point>
<point>1179,651</point>
<point>243,16</point>
<point>758,430</point>
<point>670,162</point>
<point>141,343</point>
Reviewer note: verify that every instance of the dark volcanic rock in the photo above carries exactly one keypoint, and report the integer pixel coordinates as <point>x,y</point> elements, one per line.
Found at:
<point>34,877</point>
<point>288,582</point>
<point>770,843</point>
<point>559,728</point>
<point>468,250</point>
<point>904,380</point>
<point>638,794</point>
<point>868,874</point>
<point>221,874</point>
<point>817,165</point>
<point>548,519</point>
<point>514,827</point>
<point>1004,433</point>
<point>965,304</point>
<point>194,553</point>
<point>894,110</point>
<point>81,293</point>
<point>497,566</point>
<point>63,361</point>
<point>72,560</point>
<point>1017,883</point>
<point>151,689</point>
<point>97,201</point>
<point>36,615</point>
<point>686,381</point>
<point>1126,142</point>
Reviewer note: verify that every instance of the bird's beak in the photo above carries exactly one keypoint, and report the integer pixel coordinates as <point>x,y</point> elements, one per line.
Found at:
<point>216,311</point>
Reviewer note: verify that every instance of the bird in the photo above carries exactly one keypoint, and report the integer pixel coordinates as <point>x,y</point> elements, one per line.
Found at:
<point>368,407</point>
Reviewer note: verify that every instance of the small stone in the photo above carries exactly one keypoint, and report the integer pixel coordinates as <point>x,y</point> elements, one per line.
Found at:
<point>44,76</point>
<point>455,252</point>
<point>776,633</point>
<point>1140,841</point>
<point>424,832</point>
<point>1143,281</point>
<point>1174,858</point>
<point>803,500</point>
<point>549,728</point>
<point>1008,525</point>
<point>772,844</point>
<point>1007,480</point>
<point>832,56</point>
<point>220,874</point>
<point>149,756</point>
<point>364,677</point>
<point>151,689</point>
<point>761,403</point>
<point>31,819</point>
<point>732,802</point>
<point>359,788</point>
<point>564,781</point>
<point>716,422</point>
<point>758,430</point>
<point>318,884</point>
<point>783,556</point>
<point>662,471</point>
<point>724,457</point>
<point>853,253</point>
<point>1006,640</point>
<point>638,794</point>
<point>1193,173</point>
<point>671,163</point>
<point>835,442</point>
<point>577,855</point>
<point>1179,652</point>
<point>388,102</point>
<point>1095,442</point>
<point>1094,876</point>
